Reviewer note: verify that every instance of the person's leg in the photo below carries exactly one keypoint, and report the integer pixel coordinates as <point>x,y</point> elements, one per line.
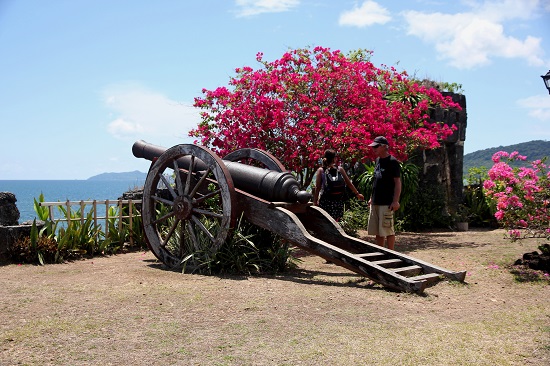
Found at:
<point>391,241</point>
<point>386,226</point>
<point>380,240</point>
<point>373,224</point>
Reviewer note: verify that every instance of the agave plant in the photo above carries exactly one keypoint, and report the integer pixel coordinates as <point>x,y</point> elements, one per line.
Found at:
<point>41,211</point>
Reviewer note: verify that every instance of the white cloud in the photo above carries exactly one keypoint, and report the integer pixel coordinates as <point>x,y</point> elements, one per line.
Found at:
<point>120,128</point>
<point>474,38</point>
<point>144,114</point>
<point>500,10</point>
<point>538,106</point>
<point>368,13</point>
<point>255,7</point>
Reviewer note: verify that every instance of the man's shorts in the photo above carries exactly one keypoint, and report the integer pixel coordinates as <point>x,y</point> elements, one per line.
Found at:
<point>381,221</point>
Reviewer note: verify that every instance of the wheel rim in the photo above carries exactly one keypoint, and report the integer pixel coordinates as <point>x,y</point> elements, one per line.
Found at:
<point>270,162</point>
<point>187,211</point>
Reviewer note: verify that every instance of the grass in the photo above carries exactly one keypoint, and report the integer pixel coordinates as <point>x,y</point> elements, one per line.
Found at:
<point>126,309</point>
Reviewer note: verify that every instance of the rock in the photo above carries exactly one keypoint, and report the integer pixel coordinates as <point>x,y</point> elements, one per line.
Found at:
<point>133,194</point>
<point>9,213</point>
<point>536,260</point>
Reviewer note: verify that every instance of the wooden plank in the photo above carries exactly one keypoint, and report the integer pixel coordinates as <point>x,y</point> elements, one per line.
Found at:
<point>292,206</point>
<point>370,255</point>
<point>408,271</point>
<point>429,277</point>
<point>387,263</point>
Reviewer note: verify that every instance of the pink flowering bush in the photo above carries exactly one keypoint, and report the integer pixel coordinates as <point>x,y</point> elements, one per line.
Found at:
<point>310,100</point>
<point>522,195</point>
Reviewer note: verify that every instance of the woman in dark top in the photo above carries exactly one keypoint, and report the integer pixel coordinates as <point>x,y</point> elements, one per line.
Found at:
<point>330,186</point>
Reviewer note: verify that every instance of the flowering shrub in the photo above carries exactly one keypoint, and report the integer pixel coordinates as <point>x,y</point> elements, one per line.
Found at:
<point>522,195</point>
<point>310,100</point>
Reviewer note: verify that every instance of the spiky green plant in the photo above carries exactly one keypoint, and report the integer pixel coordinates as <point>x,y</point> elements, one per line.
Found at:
<point>136,229</point>
<point>247,250</point>
<point>41,211</point>
<point>79,236</point>
<point>251,249</point>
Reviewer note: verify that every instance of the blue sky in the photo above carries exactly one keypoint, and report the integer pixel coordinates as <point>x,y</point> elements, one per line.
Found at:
<point>81,81</point>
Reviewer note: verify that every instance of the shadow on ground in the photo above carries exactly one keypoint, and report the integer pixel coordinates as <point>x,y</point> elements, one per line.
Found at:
<point>410,242</point>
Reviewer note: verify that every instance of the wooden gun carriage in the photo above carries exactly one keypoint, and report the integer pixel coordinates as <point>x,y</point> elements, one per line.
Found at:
<point>184,178</point>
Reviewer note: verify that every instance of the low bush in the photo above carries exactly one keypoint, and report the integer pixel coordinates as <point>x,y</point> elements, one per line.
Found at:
<point>249,249</point>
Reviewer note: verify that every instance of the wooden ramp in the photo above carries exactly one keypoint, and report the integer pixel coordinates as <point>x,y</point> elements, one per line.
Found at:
<point>313,230</point>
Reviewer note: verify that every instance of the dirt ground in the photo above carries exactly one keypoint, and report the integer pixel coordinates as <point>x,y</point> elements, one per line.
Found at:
<point>128,309</point>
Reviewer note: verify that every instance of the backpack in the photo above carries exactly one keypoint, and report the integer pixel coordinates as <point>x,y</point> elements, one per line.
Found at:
<point>333,185</point>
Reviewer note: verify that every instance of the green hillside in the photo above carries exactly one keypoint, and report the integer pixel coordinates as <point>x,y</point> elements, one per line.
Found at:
<point>135,175</point>
<point>533,150</point>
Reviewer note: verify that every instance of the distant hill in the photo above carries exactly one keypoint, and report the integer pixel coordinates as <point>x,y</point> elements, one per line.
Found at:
<point>533,150</point>
<point>135,175</point>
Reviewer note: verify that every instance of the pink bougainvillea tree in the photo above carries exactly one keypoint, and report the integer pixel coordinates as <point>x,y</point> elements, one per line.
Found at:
<point>522,195</point>
<point>313,99</point>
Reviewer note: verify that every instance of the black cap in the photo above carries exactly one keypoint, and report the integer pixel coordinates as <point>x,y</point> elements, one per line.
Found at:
<point>380,140</point>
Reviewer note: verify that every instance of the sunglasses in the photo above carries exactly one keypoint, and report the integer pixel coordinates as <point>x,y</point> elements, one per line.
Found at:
<point>376,146</point>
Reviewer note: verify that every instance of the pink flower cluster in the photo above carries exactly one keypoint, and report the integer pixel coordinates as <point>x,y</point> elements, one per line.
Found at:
<point>310,100</point>
<point>521,195</point>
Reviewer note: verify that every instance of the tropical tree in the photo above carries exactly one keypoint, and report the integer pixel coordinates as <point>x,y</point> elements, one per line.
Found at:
<point>521,195</point>
<point>310,100</point>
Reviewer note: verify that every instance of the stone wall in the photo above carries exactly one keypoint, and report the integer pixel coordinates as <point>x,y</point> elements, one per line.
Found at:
<point>10,229</point>
<point>443,166</point>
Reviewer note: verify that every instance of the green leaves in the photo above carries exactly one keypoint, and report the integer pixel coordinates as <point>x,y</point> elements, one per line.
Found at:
<point>75,234</point>
<point>34,243</point>
<point>41,211</point>
<point>249,249</point>
<point>409,183</point>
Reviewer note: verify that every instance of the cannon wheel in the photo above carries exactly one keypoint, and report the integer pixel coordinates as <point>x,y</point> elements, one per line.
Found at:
<point>191,210</point>
<point>262,156</point>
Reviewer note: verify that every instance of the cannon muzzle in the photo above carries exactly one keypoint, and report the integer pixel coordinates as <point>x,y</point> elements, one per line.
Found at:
<point>264,183</point>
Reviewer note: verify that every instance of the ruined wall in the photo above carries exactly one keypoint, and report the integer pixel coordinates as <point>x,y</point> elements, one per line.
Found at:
<point>443,166</point>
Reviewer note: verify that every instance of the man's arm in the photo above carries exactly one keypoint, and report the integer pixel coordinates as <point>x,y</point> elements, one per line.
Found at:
<point>396,194</point>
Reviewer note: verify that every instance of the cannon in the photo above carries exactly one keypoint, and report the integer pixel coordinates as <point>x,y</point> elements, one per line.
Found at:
<point>192,199</point>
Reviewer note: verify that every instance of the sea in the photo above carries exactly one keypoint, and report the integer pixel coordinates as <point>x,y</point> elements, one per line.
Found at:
<point>26,191</point>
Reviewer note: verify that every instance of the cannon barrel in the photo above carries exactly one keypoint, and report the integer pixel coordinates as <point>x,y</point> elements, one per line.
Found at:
<point>264,183</point>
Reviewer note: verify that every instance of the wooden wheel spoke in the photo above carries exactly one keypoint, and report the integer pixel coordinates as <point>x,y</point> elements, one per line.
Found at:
<point>192,235</point>
<point>189,173</point>
<point>203,228</point>
<point>168,185</point>
<point>207,196</point>
<point>179,185</point>
<point>162,200</point>
<point>170,232</point>
<point>181,251</point>
<point>199,183</point>
<point>207,213</point>
<point>163,218</point>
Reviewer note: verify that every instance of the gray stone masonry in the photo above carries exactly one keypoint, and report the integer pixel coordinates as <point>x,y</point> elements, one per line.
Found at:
<point>10,229</point>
